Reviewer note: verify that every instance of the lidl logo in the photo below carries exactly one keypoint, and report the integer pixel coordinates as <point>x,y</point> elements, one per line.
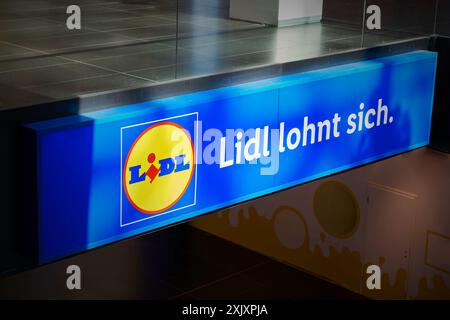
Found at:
<point>158,168</point>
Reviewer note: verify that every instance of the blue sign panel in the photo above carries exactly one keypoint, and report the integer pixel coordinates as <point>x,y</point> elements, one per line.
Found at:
<point>111,174</point>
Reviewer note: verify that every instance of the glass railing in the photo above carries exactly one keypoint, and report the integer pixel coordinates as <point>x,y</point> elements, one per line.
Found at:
<point>55,49</point>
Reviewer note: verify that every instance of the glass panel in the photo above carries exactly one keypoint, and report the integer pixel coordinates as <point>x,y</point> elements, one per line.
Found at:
<point>225,35</point>
<point>211,41</point>
<point>45,55</point>
<point>346,18</point>
<point>394,20</point>
<point>443,18</point>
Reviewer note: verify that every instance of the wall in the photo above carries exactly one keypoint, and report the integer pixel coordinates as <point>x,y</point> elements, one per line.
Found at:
<point>440,135</point>
<point>263,11</point>
<point>295,12</point>
<point>343,11</point>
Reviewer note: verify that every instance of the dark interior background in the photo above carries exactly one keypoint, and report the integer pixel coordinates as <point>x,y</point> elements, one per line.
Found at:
<point>410,17</point>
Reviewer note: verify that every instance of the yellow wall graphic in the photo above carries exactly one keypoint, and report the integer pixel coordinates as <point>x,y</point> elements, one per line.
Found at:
<point>257,233</point>
<point>330,229</point>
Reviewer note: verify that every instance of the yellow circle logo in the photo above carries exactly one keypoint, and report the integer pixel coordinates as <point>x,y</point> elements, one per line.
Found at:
<point>158,167</point>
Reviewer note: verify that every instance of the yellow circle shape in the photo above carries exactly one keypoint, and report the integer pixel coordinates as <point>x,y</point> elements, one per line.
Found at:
<point>290,227</point>
<point>169,149</point>
<point>336,209</point>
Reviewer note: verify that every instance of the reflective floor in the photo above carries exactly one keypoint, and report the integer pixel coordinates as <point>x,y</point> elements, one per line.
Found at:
<point>177,263</point>
<point>126,44</point>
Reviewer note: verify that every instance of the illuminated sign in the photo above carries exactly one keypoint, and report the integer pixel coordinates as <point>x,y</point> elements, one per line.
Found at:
<point>111,174</point>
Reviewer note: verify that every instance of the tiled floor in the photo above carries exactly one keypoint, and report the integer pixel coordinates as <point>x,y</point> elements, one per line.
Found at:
<point>132,43</point>
<point>176,263</point>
